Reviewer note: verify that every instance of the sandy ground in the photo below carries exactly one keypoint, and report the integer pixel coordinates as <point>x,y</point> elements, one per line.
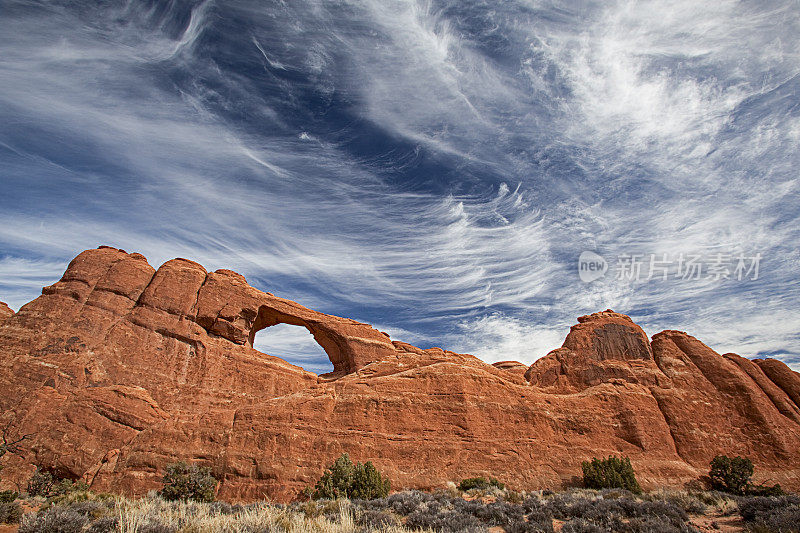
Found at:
<point>724,524</point>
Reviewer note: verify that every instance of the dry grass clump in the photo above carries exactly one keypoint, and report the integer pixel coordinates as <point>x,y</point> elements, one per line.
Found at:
<point>691,502</point>
<point>574,511</point>
<point>152,514</point>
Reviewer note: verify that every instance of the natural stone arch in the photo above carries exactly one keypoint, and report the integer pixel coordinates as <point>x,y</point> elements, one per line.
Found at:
<point>268,316</point>
<point>294,344</point>
<point>228,307</point>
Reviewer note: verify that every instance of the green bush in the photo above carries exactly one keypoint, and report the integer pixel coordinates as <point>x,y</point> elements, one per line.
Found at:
<point>343,479</point>
<point>610,473</point>
<point>45,483</point>
<point>8,496</point>
<point>765,490</point>
<point>188,482</point>
<point>479,483</point>
<point>731,474</point>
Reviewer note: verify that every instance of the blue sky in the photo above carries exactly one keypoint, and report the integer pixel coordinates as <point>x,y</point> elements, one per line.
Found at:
<point>433,168</point>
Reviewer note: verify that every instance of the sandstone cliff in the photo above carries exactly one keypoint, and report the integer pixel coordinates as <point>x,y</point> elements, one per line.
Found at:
<point>5,311</point>
<point>118,369</point>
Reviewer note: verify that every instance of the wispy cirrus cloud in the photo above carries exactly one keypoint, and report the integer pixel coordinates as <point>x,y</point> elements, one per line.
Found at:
<point>433,166</point>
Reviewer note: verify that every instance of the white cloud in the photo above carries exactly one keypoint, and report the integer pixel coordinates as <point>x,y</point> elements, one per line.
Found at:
<point>499,146</point>
<point>295,344</point>
<point>499,337</point>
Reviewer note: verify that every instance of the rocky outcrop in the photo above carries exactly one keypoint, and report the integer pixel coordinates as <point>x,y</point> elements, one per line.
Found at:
<point>602,347</point>
<point>119,369</point>
<point>514,367</point>
<point>5,311</point>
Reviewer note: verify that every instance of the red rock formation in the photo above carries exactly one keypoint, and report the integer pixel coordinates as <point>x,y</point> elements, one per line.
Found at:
<point>119,369</point>
<point>5,311</point>
<point>515,367</point>
<point>782,376</point>
<point>602,347</point>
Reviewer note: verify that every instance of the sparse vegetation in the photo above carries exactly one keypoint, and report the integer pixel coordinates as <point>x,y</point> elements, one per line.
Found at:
<point>10,512</point>
<point>771,514</point>
<point>343,479</point>
<point>55,519</point>
<point>46,484</point>
<point>188,482</point>
<point>480,483</point>
<point>733,475</point>
<point>580,510</point>
<point>482,506</point>
<point>610,473</point>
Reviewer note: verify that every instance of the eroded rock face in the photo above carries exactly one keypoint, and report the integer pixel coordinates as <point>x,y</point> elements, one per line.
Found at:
<point>119,369</point>
<point>5,311</point>
<point>602,347</point>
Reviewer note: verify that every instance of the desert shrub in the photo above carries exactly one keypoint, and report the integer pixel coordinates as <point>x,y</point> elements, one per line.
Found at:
<point>580,525</point>
<point>55,519</point>
<point>758,508</point>
<point>378,504</point>
<point>654,524</point>
<point>765,490</point>
<point>376,520</point>
<point>537,512</point>
<point>731,474</point>
<point>316,508</point>
<point>65,486</point>
<point>8,496</point>
<point>444,520</point>
<point>556,506</point>
<point>336,481</point>
<point>82,499</point>
<point>10,512</point>
<point>612,472</point>
<point>443,512</point>
<point>609,510</point>
<point>512,496</point>
<point>90,509</point>
<point>721,502</point>
<point>343,479</point>
<point>41,483</point>
<point>155,527</point>
<point>368,483</point>
<point>104,524</point>
<point>480,483</point>
<point>781,520</point>
<point>599,512</point>
<point>329,509</point>
<point>406,502</point>
<point>494,513</point>
<point>224,508</point>
<point>530,526</point>
<point>45,483</point>
<point>690,502</point>
<point>666,512</point>
<point>188,482</point>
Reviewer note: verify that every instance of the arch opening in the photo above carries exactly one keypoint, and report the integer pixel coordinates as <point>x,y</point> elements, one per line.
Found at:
<point>294,344</point>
